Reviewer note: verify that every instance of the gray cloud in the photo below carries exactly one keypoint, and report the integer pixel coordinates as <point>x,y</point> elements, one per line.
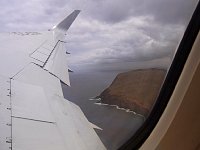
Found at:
<point>107,32</point>
<point>112,11</point>
<point>125,41</point>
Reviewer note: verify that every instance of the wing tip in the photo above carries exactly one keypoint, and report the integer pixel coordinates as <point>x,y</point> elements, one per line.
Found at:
<point>65,24</point>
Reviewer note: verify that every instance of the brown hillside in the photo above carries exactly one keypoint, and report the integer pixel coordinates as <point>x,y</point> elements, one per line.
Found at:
<point>135,90</point>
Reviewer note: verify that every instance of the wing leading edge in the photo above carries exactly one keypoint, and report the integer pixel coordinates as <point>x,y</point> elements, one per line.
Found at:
<point>34,113</point>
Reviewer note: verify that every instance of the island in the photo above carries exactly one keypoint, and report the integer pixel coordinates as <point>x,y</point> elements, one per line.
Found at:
<point>136,90</point>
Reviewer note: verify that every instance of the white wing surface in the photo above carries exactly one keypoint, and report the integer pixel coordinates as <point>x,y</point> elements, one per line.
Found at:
<point>33,112</point>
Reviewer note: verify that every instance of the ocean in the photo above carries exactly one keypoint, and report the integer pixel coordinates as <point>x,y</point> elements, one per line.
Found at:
<point>118,125</point>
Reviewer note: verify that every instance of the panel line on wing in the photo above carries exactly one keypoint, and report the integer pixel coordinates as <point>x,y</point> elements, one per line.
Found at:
<point>11,112</point>
<point>43,53</point>
<point>50,54</point>
<point>5,114</point>
<point>38,60</point>
<point>21,70</point>
<point>33,119</point>
<point>37,48</point>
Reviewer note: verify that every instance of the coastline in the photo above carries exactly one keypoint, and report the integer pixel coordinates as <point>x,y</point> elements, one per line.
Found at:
<point>135,90</point>
<point>99,102</point>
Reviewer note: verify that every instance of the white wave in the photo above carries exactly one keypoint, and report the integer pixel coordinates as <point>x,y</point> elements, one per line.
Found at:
<point>94,99</point>
<point>120,108</point>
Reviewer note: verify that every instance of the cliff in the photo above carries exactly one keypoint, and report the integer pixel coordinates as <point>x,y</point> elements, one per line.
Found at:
<point>135,90</point>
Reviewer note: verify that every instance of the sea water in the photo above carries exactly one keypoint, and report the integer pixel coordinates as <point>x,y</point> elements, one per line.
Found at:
<point>118,124</point>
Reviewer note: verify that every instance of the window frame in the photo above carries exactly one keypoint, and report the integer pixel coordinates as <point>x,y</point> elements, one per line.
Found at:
<point>174,72</point>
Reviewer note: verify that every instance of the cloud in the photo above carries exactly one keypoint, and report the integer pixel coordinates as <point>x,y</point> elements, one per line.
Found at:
<point>129,40</point>
<point>31,15</point>
<point>107,32</point>
<point>112,11</point>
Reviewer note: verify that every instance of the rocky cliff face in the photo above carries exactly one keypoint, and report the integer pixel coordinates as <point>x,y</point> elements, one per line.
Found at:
<point>135,90</point>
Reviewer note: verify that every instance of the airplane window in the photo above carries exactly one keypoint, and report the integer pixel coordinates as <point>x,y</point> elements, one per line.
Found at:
<point>121,53</point>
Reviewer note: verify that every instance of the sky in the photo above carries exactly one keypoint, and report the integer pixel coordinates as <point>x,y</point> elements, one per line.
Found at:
<point>108,34</point>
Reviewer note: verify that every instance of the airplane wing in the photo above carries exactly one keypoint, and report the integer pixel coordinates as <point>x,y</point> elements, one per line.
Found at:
<point>34,115</point>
